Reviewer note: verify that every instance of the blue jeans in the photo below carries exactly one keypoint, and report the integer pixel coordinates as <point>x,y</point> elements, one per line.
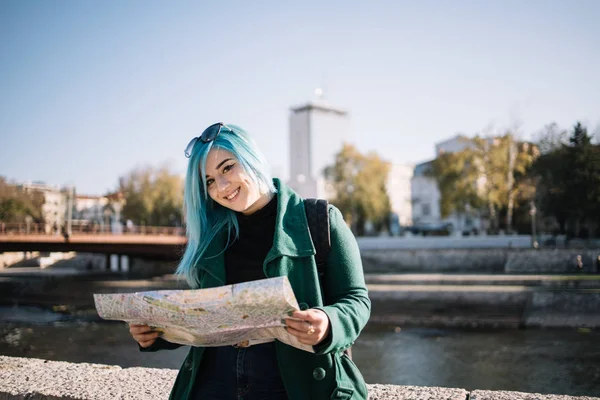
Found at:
<point>231,373</point>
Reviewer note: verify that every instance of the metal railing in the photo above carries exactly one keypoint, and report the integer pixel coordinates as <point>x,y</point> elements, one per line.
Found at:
<point>88,229</point>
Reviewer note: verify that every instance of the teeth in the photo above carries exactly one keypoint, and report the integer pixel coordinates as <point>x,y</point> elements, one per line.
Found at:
<point>232,195</point>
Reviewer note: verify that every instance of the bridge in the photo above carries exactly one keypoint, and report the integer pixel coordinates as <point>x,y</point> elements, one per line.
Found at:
<point>474,254</point>
<point>157,243</point>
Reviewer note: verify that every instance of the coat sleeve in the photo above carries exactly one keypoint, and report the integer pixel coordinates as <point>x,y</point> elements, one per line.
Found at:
<point>348,305</point>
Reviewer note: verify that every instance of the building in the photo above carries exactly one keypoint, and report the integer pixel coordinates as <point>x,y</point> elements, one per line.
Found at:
<point>101,212</point>
<point>425,196</point>
<point>453,145</point>
<point>317,132</point>
<point>89,208</point>
<point>426,213</point>
<point>54,207</point>
<point>399,191</point>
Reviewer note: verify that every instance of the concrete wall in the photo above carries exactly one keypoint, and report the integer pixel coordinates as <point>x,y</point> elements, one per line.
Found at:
<point>445,242</point>
<point>35,379</point>
<point>493,260</point>
<point>10,258</point>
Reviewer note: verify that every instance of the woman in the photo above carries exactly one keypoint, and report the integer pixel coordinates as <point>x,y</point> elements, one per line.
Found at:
<point>242,225</point>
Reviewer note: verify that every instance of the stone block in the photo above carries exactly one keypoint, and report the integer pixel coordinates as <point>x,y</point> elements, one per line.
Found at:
<point>507,395</point>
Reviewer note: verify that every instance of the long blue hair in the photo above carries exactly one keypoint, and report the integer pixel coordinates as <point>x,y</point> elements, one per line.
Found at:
<point>205,218</point>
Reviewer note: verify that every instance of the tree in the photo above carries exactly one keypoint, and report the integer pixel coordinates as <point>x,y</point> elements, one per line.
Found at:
<point>490,172</point>
<point>456,175</point>
<point>551,138</point>
<point>568,182</point>
<point>16,204</point>
<point>519,159</point>
<point>359,183</point>
<point>584,183</point>
<point>153,196</point>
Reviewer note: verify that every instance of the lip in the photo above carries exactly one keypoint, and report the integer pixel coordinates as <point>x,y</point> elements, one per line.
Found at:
<point>232,192</point>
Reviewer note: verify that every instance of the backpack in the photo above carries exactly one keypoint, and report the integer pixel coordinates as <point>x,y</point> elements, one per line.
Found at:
<point>317,215</point>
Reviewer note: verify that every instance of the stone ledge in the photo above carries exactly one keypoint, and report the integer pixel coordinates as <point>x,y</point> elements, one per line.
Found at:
<point>32,378</point>
<point>36,379</point>
<point>506,395</point>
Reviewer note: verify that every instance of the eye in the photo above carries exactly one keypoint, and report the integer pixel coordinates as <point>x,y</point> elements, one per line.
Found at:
<point>228,168</point>
<point>209,182</point>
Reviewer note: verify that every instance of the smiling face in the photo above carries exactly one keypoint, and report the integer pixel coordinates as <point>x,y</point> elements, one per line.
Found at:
<point>229,185</point>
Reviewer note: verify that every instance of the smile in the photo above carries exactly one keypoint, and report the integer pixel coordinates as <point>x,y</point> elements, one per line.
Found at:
<point>232,195</point>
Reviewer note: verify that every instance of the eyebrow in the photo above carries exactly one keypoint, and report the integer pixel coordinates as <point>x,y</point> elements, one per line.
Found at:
<point>221,164</point>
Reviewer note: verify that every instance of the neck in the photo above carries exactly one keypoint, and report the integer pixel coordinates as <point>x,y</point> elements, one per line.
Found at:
<point>259,204</point>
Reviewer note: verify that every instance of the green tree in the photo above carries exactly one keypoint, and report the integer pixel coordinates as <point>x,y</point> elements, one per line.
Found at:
<point>568,182</point>
<point>551,138</point>
<point>584,183</point>
<point>456,175</point>
<point>153,196</point>
<point>490,173</point>
<point>16,203</point>
<point>359,184</point>
<point>519,157</point>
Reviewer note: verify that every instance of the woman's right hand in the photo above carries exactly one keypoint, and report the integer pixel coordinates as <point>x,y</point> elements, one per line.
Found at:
<point>143,334</point>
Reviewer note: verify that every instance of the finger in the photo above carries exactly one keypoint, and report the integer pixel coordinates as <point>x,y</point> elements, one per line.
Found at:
<point>137,325</point>
<point>306,315</point>
<point>146,336</point>
<point>139,330</point>
<point>299,325</point>
<point>311,342</point>
<point>147,343</point>
<point>302,333</point>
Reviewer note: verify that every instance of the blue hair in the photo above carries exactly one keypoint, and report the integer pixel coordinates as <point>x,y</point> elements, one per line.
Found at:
<point>205,218</point>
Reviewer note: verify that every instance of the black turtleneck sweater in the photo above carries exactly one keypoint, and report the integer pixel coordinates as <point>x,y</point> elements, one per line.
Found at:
<point>245,257</point>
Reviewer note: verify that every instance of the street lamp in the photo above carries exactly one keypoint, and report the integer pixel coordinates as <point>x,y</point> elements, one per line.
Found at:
<point>106,220</point>
<point>28,221</point>
<point>532,212</point>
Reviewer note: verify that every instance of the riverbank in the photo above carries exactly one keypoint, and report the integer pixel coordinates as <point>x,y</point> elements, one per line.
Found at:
<point>427,300</point>
<point>25,378</point>
<point>550,361</point>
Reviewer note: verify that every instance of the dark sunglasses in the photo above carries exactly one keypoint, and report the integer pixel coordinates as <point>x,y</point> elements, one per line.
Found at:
<point>207,136</point>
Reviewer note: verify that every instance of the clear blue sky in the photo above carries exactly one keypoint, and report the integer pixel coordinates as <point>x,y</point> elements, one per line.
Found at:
<point>91,89</point>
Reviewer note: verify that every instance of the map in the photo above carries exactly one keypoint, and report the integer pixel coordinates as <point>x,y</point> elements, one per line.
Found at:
<point>225,315</point>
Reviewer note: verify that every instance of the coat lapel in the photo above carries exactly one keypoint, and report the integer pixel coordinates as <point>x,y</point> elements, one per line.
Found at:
<point>292,237</point>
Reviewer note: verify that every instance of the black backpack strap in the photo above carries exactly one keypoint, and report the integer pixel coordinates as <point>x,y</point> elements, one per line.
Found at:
<point>317,214</point>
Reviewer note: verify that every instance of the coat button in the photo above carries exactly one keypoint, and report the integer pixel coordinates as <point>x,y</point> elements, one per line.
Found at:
<point>319,374</point>
<point>188,365</point>
<point>303,306</point>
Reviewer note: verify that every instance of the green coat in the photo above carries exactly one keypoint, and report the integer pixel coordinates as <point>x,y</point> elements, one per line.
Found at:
<point>328,373</point>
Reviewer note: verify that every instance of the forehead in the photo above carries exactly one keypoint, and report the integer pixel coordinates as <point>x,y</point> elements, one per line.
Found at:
<point>215,157</point>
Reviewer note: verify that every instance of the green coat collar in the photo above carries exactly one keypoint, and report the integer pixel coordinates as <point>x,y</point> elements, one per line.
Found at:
<point>291,239</point>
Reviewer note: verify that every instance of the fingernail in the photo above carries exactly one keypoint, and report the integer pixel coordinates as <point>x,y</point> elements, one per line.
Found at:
<point>283,321</point>
<point>290,313</point>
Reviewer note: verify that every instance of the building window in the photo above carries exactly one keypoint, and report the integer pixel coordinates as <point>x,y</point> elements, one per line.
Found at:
<point>425,210</point>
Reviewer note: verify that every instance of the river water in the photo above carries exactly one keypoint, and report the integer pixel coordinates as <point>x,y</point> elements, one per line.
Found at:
<point>540,361</point>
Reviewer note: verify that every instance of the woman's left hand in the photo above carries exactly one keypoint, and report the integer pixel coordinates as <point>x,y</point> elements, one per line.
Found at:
<point>313,327</point>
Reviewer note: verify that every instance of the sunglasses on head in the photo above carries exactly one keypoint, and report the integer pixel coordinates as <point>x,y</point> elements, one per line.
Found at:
<point>207,136</point>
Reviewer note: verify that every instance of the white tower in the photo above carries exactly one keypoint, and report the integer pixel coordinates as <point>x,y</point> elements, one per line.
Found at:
<point>317,132</point>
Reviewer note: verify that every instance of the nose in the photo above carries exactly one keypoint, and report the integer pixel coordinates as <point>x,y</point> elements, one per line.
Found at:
<point>222,183</point>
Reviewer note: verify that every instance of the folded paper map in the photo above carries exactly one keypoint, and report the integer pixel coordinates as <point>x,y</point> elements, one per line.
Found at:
<point>220,316</point>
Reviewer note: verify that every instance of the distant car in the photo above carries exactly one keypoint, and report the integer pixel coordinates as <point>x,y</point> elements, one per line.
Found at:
<point>444,229</point>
